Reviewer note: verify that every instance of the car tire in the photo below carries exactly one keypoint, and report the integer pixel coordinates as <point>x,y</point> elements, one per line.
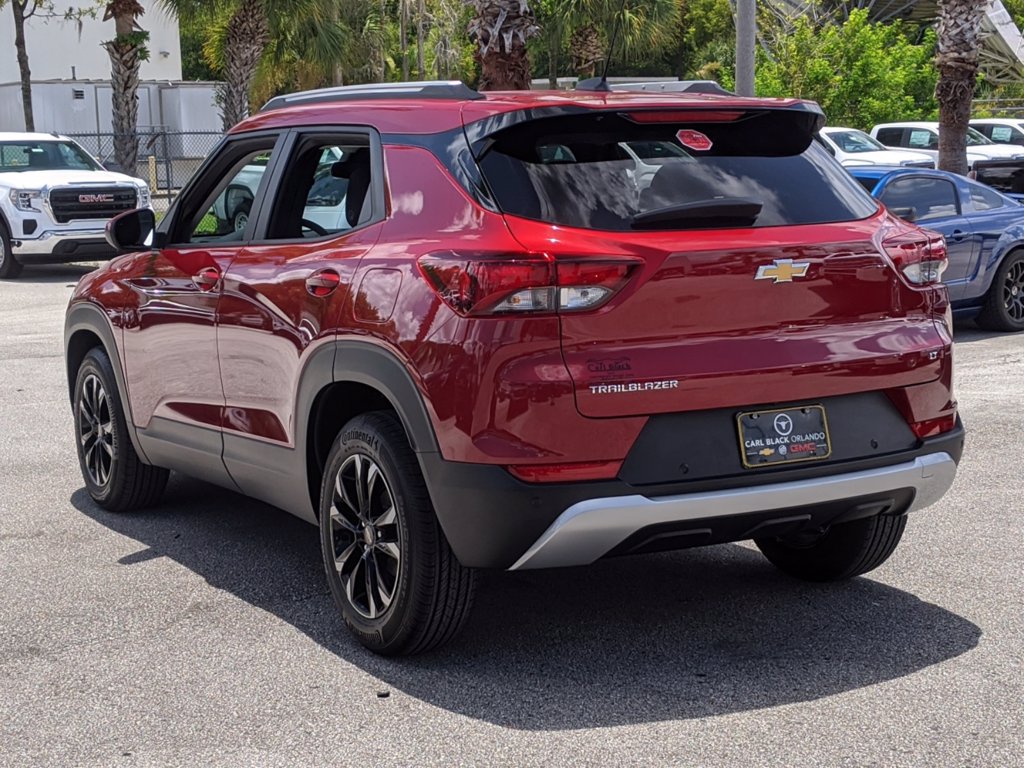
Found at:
<point>392,574</point>
<point>115,477</point>
<point>240,219</point>
<point>10,267</point>
<point>1004,304</point>
<point>842,552</point>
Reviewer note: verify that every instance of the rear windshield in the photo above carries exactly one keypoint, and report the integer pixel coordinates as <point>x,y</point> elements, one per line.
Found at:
<point>610,172</point>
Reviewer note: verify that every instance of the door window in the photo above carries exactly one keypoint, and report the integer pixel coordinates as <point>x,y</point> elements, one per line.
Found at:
<point>922,138</point>
<point>219,209</point>
<point>921,199</point>
<point>326,189</point>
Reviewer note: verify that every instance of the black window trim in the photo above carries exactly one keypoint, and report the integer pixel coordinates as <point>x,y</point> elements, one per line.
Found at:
<point>378,207</point>
<point>199,183</point>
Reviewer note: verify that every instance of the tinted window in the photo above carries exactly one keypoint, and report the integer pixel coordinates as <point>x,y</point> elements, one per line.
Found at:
<point>868,184</point>
<point>891,137</point>
<point>985,199</point>
<point>921,199</point>
<point>765,160</point>
<point>974,138</point>
<point>44,156</point>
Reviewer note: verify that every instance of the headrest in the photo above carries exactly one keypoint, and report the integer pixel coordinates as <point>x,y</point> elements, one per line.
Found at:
<point>344,168</point>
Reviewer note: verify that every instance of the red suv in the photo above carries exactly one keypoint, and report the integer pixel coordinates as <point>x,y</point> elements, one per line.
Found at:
<point>523,330</point>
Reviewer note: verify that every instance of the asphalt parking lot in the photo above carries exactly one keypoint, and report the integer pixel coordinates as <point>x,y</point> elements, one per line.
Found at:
<point>201,632</point>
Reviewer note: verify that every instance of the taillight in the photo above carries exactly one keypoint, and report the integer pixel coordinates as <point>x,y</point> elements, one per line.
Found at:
<point>487,284</point>
<point>920,256</point>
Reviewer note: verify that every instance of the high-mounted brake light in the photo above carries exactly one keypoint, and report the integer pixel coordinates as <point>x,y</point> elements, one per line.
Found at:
<point>684,116</point>
<point>489,284</point>
<point>920,256</point>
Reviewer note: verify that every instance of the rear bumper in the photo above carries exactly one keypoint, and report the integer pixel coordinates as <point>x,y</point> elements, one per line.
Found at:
<point>493,520</point>
<point>590,529</point>
<point>62,246</point>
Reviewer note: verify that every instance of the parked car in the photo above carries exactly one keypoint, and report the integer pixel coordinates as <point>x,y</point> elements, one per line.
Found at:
<point>507,358</point>
<point>1001,130</point>
<point>55,201</point>
<point>984,233</point>
<point>852,147</point>
<point>1000,166</point>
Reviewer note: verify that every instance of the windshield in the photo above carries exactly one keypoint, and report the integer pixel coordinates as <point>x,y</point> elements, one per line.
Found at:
<point>758,169</point>
<point>855,141</point>
<point>974,138</point>
<point>44,156</point>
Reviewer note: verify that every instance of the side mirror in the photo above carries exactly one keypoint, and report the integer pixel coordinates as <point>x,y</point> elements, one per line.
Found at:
<point>132,231</point>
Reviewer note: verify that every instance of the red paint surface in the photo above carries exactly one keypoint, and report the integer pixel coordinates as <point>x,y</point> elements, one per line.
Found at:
<point>517,390</point>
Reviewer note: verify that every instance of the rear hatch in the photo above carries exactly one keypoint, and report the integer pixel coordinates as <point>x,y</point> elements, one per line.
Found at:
<point>756,267</point>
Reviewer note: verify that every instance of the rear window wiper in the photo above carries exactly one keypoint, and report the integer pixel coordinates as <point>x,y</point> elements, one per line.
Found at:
<point>719,212</point>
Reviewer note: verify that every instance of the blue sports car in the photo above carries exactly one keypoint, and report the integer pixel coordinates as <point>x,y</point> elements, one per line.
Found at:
<point>984,232</point>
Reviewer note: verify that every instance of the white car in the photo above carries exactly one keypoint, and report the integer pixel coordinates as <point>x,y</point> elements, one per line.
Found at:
<point>1001,130</point>
<point>852,147</point>
<point>924,137</point>
<point>55,201</point>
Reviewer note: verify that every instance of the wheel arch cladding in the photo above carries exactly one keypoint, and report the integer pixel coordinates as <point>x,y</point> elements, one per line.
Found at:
<point>87,328</point>
<point>364,378</point>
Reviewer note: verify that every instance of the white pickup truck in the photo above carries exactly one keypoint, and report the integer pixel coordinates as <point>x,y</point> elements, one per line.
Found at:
<point>55,201</point>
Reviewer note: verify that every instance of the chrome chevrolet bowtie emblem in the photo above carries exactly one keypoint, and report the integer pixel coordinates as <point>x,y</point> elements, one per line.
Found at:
<point>782,270</point>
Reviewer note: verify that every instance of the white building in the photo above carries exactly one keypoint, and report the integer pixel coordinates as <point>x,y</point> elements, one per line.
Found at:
<point>71,70</point>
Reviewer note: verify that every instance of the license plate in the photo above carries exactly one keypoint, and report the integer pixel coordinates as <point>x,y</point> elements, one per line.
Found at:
<point>783,436</point>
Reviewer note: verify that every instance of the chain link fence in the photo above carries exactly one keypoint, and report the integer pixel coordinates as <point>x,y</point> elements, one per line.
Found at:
<point>167,159</point>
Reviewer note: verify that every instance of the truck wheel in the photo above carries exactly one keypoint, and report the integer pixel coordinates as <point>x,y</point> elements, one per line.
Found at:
<point>114,475</point>
<point>842,552</point>
<point>10,267</point>
<point>393,576</point>
<point>1004,304</point>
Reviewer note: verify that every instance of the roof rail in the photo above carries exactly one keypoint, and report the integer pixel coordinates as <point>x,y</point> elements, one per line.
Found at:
<point>675,86</point>
<point>427,89</point>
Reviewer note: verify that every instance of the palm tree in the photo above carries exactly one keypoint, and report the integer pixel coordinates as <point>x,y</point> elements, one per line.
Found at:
<point>587,27</point>
<point>127,51</point>
<point>500,29</point>
<point>957,60</point>
<point>304,33</point>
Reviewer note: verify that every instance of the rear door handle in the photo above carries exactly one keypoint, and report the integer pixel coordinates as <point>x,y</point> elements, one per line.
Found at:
<point>207,278</point>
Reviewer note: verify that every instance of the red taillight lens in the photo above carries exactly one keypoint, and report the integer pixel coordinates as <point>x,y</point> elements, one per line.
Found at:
<point>920,256</point>
<point>518,283</point>
<point>685,116</point>
<point>566,473</point>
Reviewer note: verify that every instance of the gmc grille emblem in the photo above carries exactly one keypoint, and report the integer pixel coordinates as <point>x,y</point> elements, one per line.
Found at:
<point>86,199</point>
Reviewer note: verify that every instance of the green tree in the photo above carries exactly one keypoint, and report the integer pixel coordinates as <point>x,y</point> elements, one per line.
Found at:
<point>860,73</point>
<point>127,50</point>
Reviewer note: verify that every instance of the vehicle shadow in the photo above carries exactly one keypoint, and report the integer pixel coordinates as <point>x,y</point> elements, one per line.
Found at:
<point>53,273</point>
<point>632,640</point>
<point>967,332</point>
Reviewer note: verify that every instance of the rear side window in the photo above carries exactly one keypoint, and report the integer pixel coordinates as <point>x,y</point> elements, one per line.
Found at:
<point>612,172</point>
<point>921,199</point>
<point>984,199</point>
<point>891,137</point>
